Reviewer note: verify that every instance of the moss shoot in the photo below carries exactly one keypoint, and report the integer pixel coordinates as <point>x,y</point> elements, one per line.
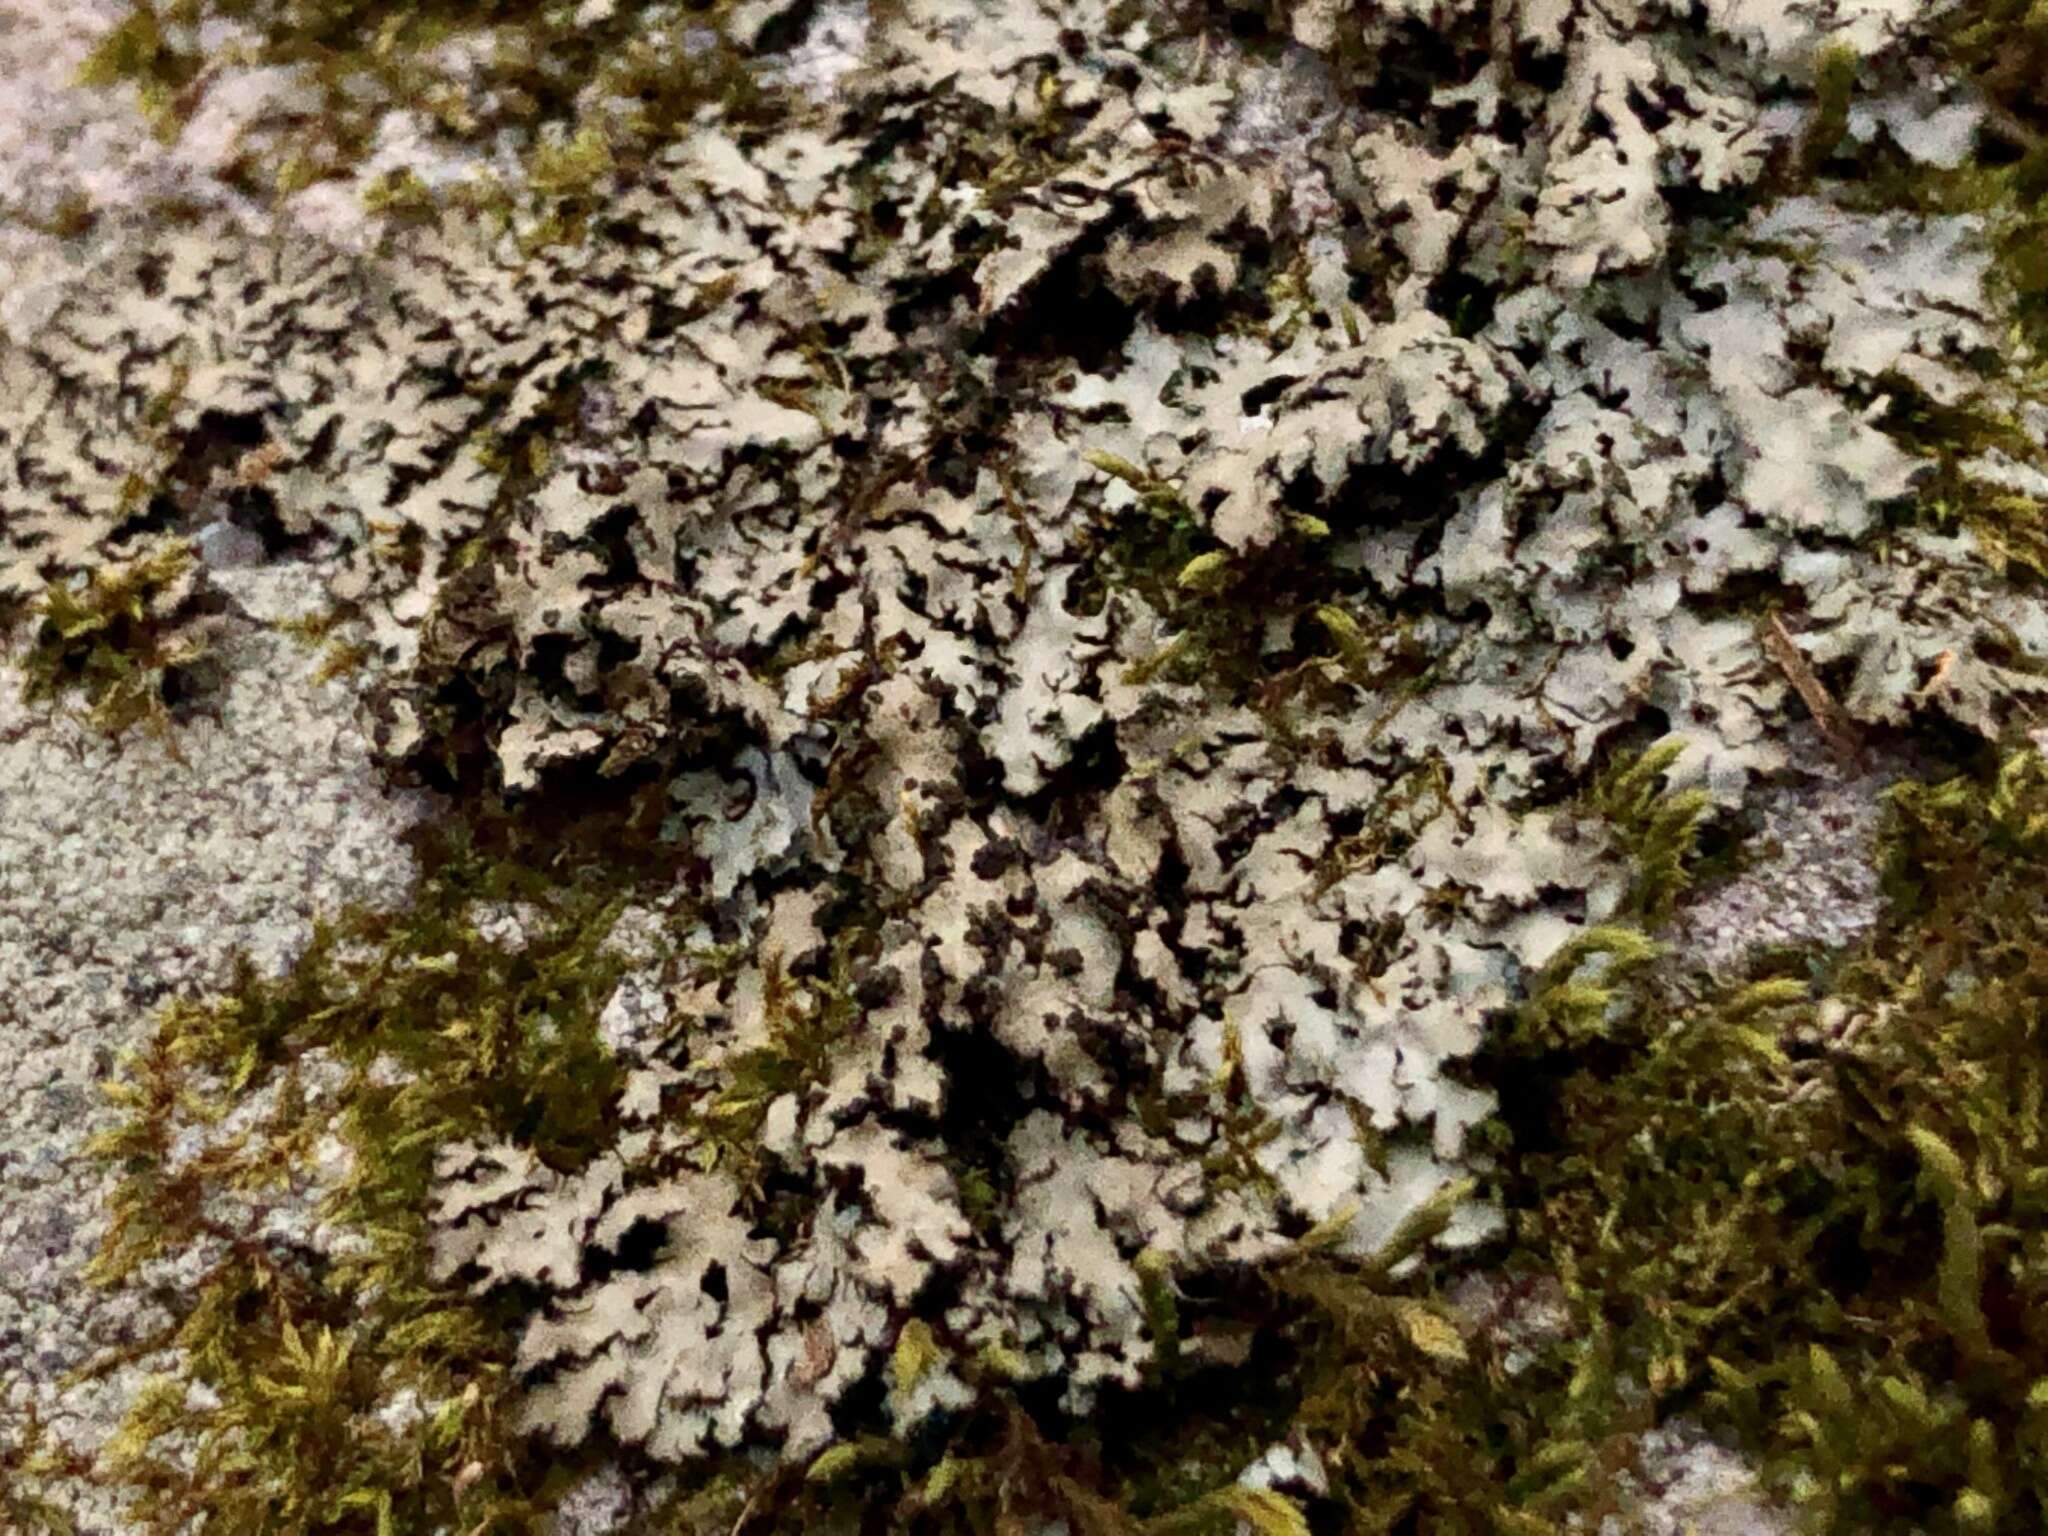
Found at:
<point>129,637</point>
<point>339,1388</point>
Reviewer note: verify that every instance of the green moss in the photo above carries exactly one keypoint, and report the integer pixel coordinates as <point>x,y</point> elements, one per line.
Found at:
<point>398,193</point>
<point>572,166</point>
<point>139,51</point>
<point>588,97</point>
<point>1835,1251</point>
<point>1147,547</point>
<point>30,1465</point>
<point>1657,831</point>
<point>1000,1473</point>
<point>132,49</point>
<point>441,1036</point>
<point>1221,605</point>
<point>1834,85</point>
<point>125,636</point>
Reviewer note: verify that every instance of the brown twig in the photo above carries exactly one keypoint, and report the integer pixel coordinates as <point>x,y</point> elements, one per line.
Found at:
<point>1835,725</point>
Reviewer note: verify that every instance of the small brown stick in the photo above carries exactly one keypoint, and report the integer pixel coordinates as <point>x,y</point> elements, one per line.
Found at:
<point>2001,122</point>
<point>1840,731</point>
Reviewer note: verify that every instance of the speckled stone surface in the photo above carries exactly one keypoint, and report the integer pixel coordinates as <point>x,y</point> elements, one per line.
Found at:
<point>1814,879</point>
<point>128,877</point>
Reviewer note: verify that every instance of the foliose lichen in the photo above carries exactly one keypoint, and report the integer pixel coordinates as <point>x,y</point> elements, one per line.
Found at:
<point>1175,684</point>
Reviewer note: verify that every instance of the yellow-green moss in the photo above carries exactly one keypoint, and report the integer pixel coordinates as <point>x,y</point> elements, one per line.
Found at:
<point>31,1467</point>
<point>441,1034</point>
<point>534,62</point>
<point>123,636</point>
<point>1834,85</point>
<point>1656,830</point>
<point>1818,1222</point>
<point>138,51</point>
<point>1221,604</point>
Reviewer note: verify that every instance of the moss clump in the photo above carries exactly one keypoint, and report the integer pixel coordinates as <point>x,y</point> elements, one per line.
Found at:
<point>1817,1223</point>
<point>1148,549</point>
<point>337,1387</point>
<point>586,90</point>
<point>139,50</point>
<point>1657,831</point>
<point>29,1465</point>
<point>400,195</point>
<point>1834,87</point>
<point>999,1473</point>
<point>133,637</point>
<point>1223,606</point>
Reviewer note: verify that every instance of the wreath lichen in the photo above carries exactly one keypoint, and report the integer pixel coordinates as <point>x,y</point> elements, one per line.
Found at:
<point>1686,1170</point>
<point>1122,641</point>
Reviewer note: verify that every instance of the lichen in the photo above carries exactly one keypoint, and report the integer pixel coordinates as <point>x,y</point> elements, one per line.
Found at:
<point>1968,419</point>
<point>1692,1179</point>
<point>1170,688</point>
<point>576,86</point>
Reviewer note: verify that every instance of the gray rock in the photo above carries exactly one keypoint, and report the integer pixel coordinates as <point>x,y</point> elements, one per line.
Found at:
<point>128,877</point>
<point>228,546</point>
<point>1817,881</point>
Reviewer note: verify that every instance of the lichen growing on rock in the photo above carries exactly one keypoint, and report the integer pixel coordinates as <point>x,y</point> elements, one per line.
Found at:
<point>278,1147</point>
<point>1161,678</point>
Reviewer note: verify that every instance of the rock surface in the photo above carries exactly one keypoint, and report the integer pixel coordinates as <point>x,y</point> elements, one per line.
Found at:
<point>1815,878</point>
<point>129,877</point>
